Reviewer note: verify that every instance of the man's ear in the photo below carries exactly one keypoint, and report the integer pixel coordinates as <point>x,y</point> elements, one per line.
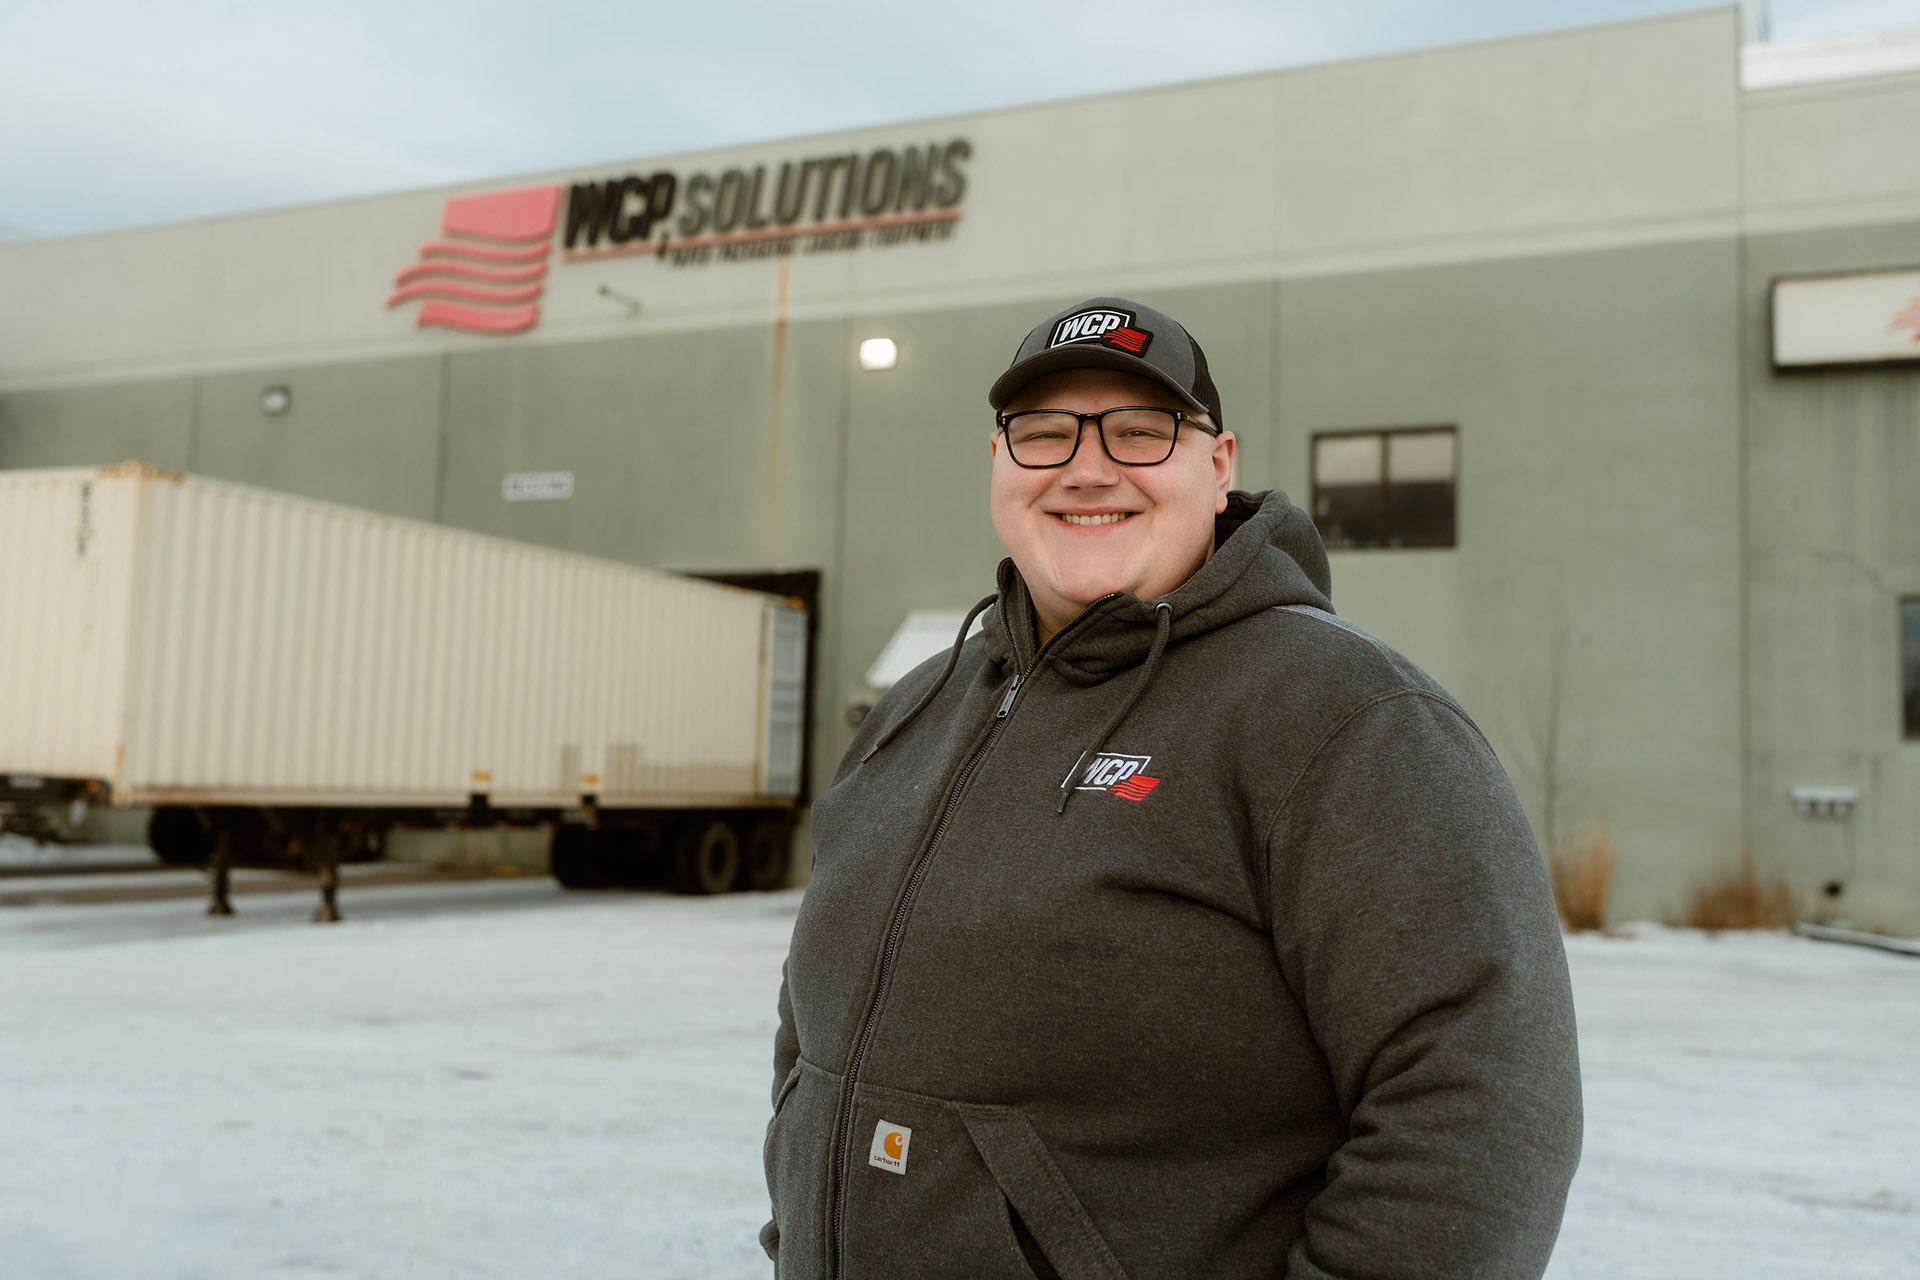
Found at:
<point>1223,446</point>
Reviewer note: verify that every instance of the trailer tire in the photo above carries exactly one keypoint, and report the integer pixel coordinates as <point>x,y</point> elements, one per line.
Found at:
<point>178,837</point>
<point>767,855</point>
<point>575,858</point>
<point>706,857</point>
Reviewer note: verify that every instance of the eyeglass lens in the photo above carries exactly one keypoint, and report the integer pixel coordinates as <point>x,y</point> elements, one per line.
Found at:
<point>1137,437</point>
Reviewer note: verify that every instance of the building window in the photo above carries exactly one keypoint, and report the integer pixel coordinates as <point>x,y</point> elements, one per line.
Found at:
<point>1910,667</point>
<point>1391,488</point>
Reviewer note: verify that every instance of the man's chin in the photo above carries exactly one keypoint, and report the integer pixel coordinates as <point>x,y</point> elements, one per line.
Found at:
<point>1080,592</point>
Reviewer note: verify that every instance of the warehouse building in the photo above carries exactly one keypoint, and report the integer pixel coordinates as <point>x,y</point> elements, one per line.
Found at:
<point>1593,352</point>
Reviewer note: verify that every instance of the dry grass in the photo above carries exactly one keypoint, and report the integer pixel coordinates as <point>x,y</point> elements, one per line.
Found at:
<point>1742,901</point>
<point>1582,879</point>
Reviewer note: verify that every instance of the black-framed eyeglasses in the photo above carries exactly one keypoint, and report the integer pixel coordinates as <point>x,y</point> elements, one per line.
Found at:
<point>1132,435</point>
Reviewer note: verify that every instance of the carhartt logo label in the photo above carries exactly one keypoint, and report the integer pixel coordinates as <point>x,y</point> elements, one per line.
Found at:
<point>1120,774</point>
<point>1089,326</point>
<point>890,1147</point>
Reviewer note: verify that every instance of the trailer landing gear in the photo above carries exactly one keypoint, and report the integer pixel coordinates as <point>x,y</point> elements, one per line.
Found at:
<point>222,903</point>
<point>288,840</point>
<point>328,912</point>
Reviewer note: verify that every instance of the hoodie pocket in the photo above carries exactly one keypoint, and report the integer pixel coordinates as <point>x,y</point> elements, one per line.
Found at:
<point>786,1087</point>
<point>929,1184</point>
<point>1042,1201</point>
<point>1038,1268</point>
<point>798,1139</point>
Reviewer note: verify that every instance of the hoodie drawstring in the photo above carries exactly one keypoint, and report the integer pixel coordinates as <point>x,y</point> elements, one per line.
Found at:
<point>953,660</point>
<point>1162,626</point>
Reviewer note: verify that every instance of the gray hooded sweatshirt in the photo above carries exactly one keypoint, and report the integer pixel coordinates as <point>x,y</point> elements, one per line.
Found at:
<point>1271,987</point>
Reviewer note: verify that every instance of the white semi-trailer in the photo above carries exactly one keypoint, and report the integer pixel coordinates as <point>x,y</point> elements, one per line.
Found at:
<point>284,680</point>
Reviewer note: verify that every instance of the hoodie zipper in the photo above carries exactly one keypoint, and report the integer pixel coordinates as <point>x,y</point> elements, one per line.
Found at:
<point>843,1134</point>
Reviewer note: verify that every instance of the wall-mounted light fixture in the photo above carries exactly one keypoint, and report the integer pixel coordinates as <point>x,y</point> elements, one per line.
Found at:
<point>275,401</point>
<point>878,353</point>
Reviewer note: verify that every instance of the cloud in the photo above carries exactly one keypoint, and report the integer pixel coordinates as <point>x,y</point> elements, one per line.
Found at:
<point>114,141</point>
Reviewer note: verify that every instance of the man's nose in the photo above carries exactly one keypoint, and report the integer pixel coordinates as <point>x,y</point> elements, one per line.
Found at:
<point>1090,464</point>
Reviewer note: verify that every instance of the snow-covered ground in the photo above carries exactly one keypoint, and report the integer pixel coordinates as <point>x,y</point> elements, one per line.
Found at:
<point>498,1079</point>
<point>19,853</point>
<point>1753,1110</point>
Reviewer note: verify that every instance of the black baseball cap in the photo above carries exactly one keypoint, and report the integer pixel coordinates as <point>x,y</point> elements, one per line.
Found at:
<point>1113,333</point>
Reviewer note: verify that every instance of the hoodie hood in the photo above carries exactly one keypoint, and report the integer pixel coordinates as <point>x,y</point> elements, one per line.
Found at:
<point>1266,553</point>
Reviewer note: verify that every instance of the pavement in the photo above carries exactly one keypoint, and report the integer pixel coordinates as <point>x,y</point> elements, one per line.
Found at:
<point>499,1078</point>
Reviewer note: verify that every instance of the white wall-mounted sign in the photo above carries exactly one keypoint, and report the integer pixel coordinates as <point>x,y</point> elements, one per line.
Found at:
<point>1825,802</point>
<point>537,486</point>
<point>1866,317</point>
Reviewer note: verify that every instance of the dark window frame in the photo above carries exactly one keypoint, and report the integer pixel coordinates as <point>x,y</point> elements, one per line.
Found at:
<point>1383,527</point>
<point>1909,714</point>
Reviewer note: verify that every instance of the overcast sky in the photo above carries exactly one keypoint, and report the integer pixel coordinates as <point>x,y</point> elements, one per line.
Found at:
<point>116,113</point>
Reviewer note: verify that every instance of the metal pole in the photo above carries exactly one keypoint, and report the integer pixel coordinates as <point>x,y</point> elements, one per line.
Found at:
<point>328,842</point>
<point>221,905</point>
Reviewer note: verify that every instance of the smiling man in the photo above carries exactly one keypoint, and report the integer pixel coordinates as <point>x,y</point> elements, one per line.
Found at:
<point>1171,927</point>
<point>1133,512</point>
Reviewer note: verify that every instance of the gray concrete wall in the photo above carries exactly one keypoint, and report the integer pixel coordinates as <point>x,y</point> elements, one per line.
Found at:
<point>1597,405</point>
<point>1833,534</point>
<point>1832,476</point>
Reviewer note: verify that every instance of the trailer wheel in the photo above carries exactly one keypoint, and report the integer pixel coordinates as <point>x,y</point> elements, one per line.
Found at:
<point>706,857</point>
<point>576,858</point>
<point>178,837</point>
<point>769,851</point>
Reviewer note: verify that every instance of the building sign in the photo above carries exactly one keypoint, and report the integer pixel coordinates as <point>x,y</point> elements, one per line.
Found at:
<point>487,275</point>
<point>826,203</point>
<point>1865,317</point>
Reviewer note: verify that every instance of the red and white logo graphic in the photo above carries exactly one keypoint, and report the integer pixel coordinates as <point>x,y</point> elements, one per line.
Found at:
<point>1088,326</point>
<point>486,277</point>
<point>1907,319</point>
<point>1119,774</point>
<point>1132,341</point>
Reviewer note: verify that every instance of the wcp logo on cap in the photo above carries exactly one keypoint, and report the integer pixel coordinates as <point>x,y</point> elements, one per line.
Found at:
<point>890,1147</point>
<point>1099,324</point>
